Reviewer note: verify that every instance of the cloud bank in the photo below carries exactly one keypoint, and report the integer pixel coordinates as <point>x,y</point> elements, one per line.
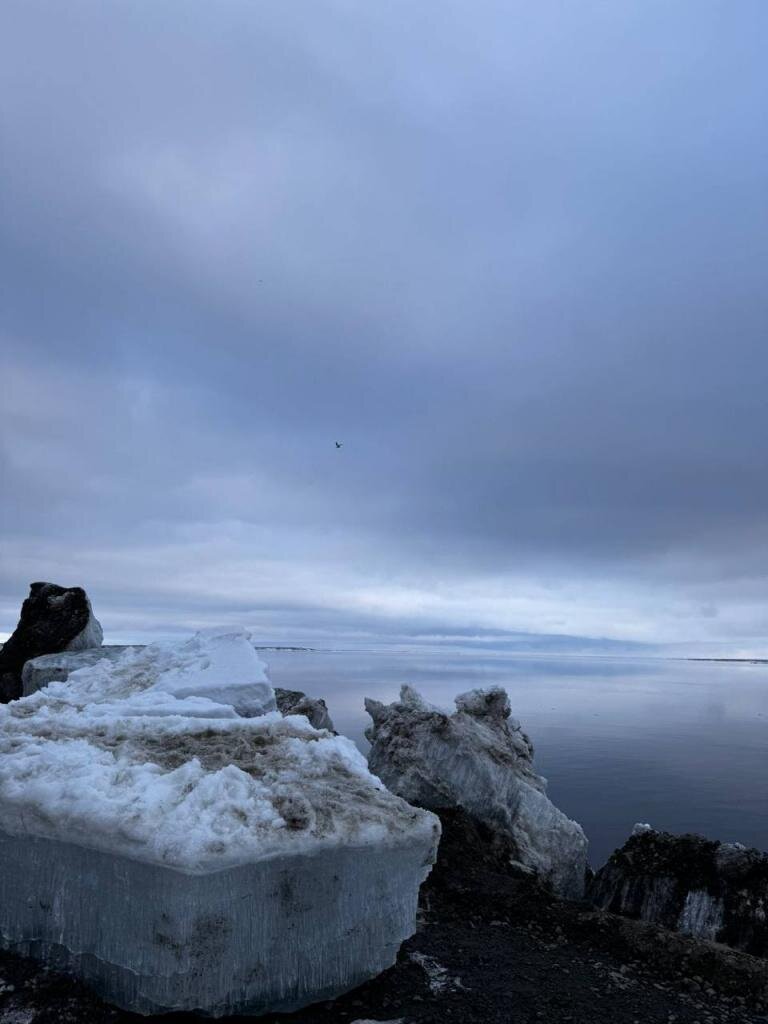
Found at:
<point>511,255</point>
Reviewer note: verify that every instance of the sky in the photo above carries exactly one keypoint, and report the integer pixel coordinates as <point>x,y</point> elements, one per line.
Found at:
<point>511,255</point>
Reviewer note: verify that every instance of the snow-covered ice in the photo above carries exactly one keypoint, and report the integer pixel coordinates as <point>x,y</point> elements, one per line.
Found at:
<point>48,668</point>
<point>222,668</point>
<point>181,856</point>
<point>478,759</point>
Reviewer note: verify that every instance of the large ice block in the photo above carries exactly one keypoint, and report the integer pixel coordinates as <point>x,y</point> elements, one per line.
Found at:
<point>480,761</point>
<point>180,856</point>
<point>265,936</point>
<point>51,668</point>
<point>222,668</point>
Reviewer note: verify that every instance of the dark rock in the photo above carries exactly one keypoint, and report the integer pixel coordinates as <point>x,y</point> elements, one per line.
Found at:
<point>715,891</point>
<point>53,619</point>
<point>294,702</point>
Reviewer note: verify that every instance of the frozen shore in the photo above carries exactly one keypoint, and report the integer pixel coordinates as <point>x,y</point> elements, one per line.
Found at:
<point>182,837</point>
<point>169,836</point>
<point>491,948</point>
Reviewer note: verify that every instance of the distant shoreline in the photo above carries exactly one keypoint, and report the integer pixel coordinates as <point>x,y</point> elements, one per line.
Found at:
<point>741,661</point>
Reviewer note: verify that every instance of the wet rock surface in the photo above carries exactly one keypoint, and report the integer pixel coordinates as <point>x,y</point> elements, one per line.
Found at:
<point>492,948</point>
<point>479,760</point>
<point>716,891</point>
<point>53,619</point>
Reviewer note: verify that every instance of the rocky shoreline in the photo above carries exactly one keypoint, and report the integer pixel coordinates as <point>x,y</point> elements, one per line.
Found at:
<point>492,947</point>
<point>511,924</point>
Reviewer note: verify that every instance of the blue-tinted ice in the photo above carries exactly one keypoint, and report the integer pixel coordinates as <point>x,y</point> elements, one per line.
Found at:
<point>180,855</point>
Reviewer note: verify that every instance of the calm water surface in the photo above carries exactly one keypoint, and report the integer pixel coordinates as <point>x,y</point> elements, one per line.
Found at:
<point>682,745</point>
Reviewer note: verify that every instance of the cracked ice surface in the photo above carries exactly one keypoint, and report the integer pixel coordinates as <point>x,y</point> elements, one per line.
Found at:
<point>180,856</point>
<point>478,759</point>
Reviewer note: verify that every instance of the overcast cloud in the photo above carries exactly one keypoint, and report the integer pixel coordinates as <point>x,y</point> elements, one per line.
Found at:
<point>513,255</point>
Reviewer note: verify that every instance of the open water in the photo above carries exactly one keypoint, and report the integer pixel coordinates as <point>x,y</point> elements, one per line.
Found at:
<point>682,745</point>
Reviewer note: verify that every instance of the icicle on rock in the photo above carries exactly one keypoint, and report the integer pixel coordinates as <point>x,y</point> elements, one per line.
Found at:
<point>478,760</point>
<point>178,856</point>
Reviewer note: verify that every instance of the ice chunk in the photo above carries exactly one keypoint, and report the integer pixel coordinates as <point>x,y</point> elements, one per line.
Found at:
<point>223,668</point>
<point>181,788</point>
<point>180,856</point>
<point>266,936</point>
<point>294,702</point>
<point>491,703</point>
<point>49,668</point>
<point>479,760</point>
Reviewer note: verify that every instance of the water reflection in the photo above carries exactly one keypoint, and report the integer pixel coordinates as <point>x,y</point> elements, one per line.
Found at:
<point>679,744</point>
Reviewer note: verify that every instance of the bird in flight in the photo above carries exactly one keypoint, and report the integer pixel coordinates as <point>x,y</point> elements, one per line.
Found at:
<point>338,444</point>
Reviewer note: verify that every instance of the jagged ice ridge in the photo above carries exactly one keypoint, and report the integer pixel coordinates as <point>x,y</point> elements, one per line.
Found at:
<point>478,759</point>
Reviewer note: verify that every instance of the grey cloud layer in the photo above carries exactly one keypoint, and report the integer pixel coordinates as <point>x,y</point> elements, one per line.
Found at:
<point>512,255</point>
